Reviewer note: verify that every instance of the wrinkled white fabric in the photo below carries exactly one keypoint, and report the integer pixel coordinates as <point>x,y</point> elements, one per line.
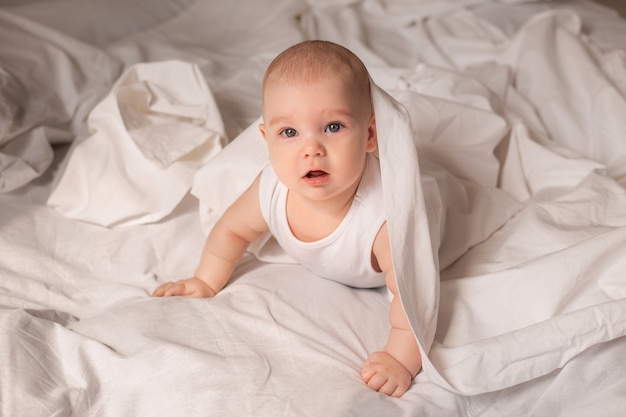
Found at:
<point>158,125</point>
<point>527,228</point>
<point>37,110</point>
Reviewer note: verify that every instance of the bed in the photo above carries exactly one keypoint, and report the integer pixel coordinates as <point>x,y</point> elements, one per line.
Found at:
<point>127,127</point>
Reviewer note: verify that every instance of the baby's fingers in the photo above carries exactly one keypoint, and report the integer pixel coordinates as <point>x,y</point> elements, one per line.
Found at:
<point>159,291</point>
<point>170,289</point>
<point>382,373</point>
<point>375,380</point>
<point>386,384</point>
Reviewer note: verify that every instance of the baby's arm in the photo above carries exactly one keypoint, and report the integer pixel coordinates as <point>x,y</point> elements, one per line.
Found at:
<point>241,224</point>
<point>392,370</point>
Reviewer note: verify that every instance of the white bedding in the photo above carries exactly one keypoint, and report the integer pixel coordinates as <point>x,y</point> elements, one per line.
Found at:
<point>517,291</point>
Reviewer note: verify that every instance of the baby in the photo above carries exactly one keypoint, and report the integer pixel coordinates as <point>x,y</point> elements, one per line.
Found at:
<point>321,196</point>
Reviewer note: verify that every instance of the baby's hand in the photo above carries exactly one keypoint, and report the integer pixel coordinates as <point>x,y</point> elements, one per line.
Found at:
<point>384,373</point>
<point>192,287</point>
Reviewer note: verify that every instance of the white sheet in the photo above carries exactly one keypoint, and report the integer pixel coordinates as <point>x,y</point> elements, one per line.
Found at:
<point>522,294</point>
<point>149,136</point>
<point>48,84</point>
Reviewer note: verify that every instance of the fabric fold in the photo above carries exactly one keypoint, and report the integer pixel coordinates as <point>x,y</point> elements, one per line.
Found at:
<point>48,83</point>
<point>156,128</point>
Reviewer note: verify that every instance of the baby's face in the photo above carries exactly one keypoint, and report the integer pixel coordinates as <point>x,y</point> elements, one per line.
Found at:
<point>318,135</point>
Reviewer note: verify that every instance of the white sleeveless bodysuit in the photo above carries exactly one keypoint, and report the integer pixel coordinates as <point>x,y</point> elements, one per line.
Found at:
<point>345,255</point>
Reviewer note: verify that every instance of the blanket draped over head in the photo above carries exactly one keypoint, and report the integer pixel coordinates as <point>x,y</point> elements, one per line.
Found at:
<point>507,229</point>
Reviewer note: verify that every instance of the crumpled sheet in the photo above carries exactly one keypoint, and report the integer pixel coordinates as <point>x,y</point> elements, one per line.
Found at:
<point>514,223</point>
<point>150,135</point>
<point>530,234</point>
<point>36,110</point>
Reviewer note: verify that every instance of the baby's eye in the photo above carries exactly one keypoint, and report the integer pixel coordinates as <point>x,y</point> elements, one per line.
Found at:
<point>334,127</point>
<point>289,132</point>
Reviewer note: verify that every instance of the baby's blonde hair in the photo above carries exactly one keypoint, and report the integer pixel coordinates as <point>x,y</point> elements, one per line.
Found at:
<point>311,61</point>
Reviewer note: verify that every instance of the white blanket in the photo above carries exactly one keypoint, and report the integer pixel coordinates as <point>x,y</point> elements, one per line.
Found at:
<point>150,135</point>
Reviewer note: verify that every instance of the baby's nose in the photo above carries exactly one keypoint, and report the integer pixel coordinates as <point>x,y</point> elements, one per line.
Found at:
<point>314,147</point>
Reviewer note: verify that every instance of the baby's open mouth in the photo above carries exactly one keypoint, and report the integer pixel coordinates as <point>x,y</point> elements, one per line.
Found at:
<point>316,174</point>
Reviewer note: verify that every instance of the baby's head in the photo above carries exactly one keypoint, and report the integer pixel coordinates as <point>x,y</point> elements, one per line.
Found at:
<point>308,62</point>
<point>318,120</point>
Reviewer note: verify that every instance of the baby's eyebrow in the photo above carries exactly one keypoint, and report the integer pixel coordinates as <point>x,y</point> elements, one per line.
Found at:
<point>279,119</point>
<point>344,115</point>
<point>329,114</point>
<point>341,112</point>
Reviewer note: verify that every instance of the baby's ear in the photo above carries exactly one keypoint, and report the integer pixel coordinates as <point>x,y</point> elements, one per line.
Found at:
<point>262,130</point>
<point>372,136</point>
